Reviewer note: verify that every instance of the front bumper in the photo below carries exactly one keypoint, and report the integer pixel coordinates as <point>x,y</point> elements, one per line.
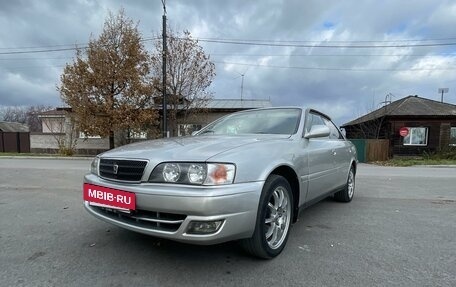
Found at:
<point>235,204</point>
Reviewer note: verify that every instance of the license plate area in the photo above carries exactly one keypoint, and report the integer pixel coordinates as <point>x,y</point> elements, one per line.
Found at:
<point>109,197</point>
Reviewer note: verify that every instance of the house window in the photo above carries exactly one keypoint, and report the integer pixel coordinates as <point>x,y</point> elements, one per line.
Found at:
<point>138,135</point>
<point>416,136</point>
<point>53,125</point>
<point>83,135</point>
<point>453,136</point>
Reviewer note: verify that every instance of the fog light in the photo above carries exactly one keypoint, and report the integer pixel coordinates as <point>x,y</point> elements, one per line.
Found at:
<point>204,227</point>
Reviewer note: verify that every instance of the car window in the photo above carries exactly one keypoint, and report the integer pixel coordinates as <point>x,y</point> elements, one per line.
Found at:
<point>267,121</point>
<point>334,131</point>
<point>316,119</point>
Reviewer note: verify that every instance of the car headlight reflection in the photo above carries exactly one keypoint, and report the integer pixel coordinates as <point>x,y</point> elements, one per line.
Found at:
<point>193,173</point>
<point>197,173</point>
<point>171,172</point>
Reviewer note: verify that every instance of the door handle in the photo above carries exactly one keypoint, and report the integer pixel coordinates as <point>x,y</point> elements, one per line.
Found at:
<point>334,152</point>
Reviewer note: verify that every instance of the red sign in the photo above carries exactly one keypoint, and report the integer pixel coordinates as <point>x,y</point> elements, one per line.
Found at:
<point>109,196</point>
<point>404,131</point>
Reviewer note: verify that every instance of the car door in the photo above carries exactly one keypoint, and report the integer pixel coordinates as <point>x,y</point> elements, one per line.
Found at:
<point>341,154</point>
<point>321,163</point>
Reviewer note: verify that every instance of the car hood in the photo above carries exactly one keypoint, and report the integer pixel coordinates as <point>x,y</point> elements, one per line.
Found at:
<point>195,148</point>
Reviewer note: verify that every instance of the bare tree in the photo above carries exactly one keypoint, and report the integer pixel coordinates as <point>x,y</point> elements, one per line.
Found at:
<point>63,130</point>
<point>15,114</point>
<point>189,74</point>
<point>108,85</point>
<point>26,115</point>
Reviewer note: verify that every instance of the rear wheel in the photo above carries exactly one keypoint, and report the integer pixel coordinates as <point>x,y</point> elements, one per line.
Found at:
<point>346,195</point>
<point>275,212</point>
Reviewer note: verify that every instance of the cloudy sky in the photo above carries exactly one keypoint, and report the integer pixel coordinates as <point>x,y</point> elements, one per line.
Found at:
<point>342,57</point>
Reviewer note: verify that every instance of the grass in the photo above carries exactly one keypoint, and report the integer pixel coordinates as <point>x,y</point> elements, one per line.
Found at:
<point>447,157</point>
<point>415,161</point>
<point>38,154</point>
<point>24,154</point>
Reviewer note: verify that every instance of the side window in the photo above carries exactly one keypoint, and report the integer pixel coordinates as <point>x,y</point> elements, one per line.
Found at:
<point>453,136</point>
<point>334,131</point>
<point>416,136</point>
<point>314,120</point>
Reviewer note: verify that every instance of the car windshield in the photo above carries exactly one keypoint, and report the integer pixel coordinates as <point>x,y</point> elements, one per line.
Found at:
<point>267,121</point>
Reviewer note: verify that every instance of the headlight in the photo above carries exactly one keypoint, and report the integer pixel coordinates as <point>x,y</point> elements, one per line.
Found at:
<point>197,173</point>
<point>94,166</point>
<point>171,172</point>
<point>193,173</point>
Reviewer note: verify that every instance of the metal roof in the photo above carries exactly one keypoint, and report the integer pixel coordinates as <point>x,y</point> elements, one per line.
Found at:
<point>237,104</point>
<point>13,127</point>
<point>409,106</point>
<point>52,113</point>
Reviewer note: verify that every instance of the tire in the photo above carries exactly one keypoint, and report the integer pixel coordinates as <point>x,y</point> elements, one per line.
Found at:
<point>274,217</point>
<point>346,194</point>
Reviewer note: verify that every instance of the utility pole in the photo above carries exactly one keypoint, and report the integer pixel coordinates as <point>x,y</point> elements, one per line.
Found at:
<point>242,82</point>
<point>165,123</point>
<point>242,85</point>
<point>442,91</point>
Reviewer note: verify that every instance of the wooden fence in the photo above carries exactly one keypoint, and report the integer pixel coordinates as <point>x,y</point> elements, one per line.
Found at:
<point>14,142</point>
<point>372,149</point>
<point>377,150</point>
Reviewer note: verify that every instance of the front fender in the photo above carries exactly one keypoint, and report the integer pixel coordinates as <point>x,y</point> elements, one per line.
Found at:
<point>255,162</point>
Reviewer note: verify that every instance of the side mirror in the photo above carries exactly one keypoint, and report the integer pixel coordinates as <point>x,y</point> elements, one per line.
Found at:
<point>317,131</point>
<point>343,131</point>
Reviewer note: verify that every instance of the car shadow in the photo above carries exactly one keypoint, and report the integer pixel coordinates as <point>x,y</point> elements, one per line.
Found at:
<point>164,248</point>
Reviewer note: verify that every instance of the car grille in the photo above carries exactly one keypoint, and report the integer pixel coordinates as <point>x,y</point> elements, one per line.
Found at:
<point>168,222</point>
<point>128,170</point>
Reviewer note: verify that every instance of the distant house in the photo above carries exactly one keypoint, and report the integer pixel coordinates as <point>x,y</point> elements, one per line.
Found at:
<point>14,137</point>
<point>412,125</point>
<point>57,126</point>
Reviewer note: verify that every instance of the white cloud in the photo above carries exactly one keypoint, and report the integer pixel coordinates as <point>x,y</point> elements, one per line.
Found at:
<point>431,68</point>
<point>363,79</point>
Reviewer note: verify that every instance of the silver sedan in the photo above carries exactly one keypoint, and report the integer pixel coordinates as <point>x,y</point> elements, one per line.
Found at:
<point>243,177</point>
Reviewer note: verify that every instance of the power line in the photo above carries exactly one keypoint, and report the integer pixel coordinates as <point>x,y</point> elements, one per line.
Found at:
<point>260,55</point>
<point>247,40</point>
<point>332,69</point>
<point>281,67</point>
<point>55,50</point>
<point>327,41</point>
<point>285,67</point>
<point>35,59</point>
<point>330,55</point>
<point>39,47</point>
<point>40,51</point>
<point>271,44</point>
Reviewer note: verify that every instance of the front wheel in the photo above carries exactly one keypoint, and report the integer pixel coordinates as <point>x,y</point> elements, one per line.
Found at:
<point>275,212</point>
<point>346,195</point>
